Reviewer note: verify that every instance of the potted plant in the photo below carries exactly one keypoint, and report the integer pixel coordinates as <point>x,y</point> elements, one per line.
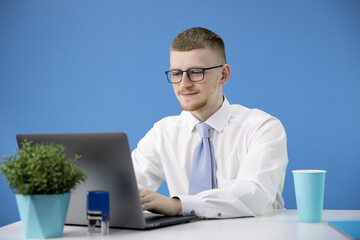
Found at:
<point>42,176</point>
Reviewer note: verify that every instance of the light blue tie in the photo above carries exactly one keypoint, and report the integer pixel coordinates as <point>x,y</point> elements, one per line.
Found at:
<point>203,169</point>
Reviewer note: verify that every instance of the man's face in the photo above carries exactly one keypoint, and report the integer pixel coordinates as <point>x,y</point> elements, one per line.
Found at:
<point>198,96</point>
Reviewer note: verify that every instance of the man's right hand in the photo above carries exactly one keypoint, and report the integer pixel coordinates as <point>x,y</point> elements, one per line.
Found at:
<point>157,203</point>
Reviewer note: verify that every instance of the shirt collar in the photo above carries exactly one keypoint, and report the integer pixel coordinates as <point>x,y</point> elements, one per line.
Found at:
<point>216,121</point>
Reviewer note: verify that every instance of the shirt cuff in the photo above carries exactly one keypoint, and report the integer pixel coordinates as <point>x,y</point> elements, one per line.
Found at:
<point>191,205</point>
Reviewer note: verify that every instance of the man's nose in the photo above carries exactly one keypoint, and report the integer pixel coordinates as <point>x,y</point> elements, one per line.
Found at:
<point>185,80</point>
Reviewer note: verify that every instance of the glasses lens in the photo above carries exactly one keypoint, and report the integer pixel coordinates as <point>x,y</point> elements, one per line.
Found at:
<point>174,76</point>
<point>196,74</point>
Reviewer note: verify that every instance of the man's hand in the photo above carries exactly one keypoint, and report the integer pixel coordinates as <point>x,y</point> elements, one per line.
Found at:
<point>158,203</point>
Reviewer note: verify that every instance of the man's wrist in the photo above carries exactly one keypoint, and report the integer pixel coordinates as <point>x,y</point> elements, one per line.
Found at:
<point>191,205</point>
<point>177,204</point>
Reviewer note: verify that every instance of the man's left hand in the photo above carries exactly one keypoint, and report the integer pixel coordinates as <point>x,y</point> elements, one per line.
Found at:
<point>158,203</point>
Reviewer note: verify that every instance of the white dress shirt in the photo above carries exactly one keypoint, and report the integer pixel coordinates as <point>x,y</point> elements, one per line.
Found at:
<point>250,154</point>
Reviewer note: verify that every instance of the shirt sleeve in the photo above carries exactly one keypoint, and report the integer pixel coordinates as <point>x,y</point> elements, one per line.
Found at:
<point>148,169</point>
<point>260,178</point>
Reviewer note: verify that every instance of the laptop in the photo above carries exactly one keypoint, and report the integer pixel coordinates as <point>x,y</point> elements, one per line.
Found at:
<point>106,160</point>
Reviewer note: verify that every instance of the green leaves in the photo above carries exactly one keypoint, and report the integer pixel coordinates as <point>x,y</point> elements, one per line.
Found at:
<point>41,169</point>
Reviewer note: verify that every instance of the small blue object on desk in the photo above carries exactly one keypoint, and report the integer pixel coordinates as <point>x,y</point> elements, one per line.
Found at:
<point>350,228</point>
<point>98,212</point>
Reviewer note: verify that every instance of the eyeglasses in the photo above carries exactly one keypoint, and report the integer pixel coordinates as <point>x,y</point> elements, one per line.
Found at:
<point>194,74</point>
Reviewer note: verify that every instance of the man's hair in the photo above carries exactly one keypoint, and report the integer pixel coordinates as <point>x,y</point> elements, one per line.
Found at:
<point>197,37</point>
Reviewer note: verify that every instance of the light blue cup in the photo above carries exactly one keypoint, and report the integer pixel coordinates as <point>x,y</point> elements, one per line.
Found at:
<point>309,191</point>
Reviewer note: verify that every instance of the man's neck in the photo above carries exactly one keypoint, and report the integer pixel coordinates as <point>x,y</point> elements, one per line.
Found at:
<point>206,112</point>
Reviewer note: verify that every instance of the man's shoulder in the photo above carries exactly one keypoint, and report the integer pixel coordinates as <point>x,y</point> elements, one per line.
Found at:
<point>248,115</point>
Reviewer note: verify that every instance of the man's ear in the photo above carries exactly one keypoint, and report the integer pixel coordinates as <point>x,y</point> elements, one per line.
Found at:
<point>225,75</point>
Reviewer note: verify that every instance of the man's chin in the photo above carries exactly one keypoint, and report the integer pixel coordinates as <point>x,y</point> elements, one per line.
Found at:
<point>193,107</point>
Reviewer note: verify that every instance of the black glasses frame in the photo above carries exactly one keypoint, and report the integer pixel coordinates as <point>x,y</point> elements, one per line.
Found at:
<point>188,74</point>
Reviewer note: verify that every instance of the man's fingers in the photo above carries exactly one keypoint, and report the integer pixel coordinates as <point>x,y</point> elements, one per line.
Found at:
<point>147,198</point>
<point>158,203</point>
<point>147,206</point>
<point>142,192</point>
<point>143,195</point>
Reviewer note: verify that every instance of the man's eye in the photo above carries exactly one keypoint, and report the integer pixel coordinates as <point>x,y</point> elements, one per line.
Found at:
<point>176,73</point>
<point>195,71</point>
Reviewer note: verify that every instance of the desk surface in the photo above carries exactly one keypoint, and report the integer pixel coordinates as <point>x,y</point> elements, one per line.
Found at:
<point>281,226</point>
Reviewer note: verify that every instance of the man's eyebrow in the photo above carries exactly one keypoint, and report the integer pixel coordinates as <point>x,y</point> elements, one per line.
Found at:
<point>177,69</point>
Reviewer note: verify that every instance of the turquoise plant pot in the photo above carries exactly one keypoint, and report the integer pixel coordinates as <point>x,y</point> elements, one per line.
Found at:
<point>43,215</point>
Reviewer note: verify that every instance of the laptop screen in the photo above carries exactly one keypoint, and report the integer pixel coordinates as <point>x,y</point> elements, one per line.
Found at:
<point>106,160</point>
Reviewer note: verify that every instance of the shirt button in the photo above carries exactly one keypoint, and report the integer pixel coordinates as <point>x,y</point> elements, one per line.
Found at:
<point>192,212</point>
<point>219,214</point>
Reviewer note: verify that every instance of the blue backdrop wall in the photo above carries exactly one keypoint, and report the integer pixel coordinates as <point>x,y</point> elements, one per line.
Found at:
<point>85,66</point>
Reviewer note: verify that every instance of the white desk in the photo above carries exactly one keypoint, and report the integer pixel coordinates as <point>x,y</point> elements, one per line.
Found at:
<point>281,226</point>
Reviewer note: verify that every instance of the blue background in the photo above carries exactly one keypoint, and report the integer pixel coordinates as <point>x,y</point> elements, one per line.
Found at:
<point>89,66</point>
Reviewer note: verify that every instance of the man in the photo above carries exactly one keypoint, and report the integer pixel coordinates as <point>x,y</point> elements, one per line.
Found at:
<point>247,147</point>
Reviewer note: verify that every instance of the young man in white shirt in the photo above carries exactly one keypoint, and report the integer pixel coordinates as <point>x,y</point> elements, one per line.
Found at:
<point>249,146</point>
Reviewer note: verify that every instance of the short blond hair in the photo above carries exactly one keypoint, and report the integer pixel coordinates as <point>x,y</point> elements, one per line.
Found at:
<point>197,37</point>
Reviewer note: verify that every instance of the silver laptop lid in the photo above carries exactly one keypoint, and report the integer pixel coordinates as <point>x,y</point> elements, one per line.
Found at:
<point>106,160</point>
